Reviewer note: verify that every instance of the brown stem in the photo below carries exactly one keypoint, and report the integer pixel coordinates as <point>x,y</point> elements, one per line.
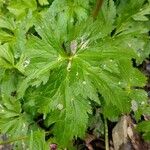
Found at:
<point>97,8</point>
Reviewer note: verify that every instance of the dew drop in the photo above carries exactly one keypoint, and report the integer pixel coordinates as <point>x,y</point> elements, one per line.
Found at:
<point>60,106</point>
<point>104,66</point>
<point>84,82</point>
<point>139,54</point>
<point>26,63</point>
<point>142,103</point>
<point>77,73</point>
<point>119,83</point>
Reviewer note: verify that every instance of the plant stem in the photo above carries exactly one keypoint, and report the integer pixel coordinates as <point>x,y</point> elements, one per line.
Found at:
<point>106,134</point>
<point>97,8</point>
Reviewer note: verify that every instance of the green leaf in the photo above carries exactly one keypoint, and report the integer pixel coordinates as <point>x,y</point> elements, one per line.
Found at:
<point>57,62</point>
<point>141,16</point>
<point>19,8</point>
<point>145,128</point>
<point>111,112</point>
<point>72,78</point>
<point>7,23</point>
<point>128,8</point>
<point>5,37</point>
<point>69,124</point>
<point>37,141</point>
<point>13,123</point>
<point>129,13</point>
<point>107,16</point>
<point>6,56</point>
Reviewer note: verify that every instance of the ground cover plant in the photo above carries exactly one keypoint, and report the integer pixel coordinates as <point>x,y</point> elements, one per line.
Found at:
<point>61,59</point>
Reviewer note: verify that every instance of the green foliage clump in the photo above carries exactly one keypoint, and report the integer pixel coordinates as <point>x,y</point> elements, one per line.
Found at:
<point>57,60</point>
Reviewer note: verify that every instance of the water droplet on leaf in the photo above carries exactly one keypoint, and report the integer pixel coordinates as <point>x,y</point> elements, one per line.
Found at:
<point>60,106</point>
<point>119,83</point>
<point>104,66</point>
<point>84,82</point>
<point>26,63</point>
<point>139,54</point>
<point>77,73</point>
<point>142,103</point>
